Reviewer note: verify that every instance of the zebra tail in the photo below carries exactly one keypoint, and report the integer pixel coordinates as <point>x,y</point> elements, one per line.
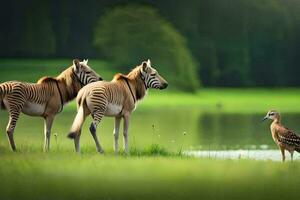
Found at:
<point>77,124</point>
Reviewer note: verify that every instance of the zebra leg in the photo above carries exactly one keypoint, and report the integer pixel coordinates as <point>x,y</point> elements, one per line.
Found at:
<point>14,103</point>
<point>97,116</point>
<point>77,141</point>
<point>125,133</point>
<point>13,118</point>
<point>116,134</point>
<point>47,131</point>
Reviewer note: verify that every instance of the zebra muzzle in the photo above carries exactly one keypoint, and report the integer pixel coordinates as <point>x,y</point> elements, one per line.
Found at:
<point>164,86</point>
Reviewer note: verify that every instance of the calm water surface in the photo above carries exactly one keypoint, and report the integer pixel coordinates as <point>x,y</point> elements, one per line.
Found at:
<point>174,128</point>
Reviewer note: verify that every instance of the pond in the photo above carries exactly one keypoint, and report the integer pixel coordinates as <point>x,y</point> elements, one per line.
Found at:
<point>266,154</point>
<point>174,128</point>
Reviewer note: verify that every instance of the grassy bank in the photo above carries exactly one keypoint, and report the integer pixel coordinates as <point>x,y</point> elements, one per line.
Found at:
<point>230,100</point>
<point>91,176</point>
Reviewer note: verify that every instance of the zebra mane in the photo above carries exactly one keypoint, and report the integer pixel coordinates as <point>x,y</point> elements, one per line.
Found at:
<point>46,79</point>
<point>134,76</point>
<point>120,76</point>
<point>70,83</point>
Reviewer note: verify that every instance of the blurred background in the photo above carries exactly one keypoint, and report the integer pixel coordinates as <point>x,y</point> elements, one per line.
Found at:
<point>197,45</point>
<point>227,63</point>
<point>228,43</point>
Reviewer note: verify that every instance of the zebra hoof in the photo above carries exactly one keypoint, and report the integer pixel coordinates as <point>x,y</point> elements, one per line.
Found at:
<point>72,135</point>
<point>101,151</point>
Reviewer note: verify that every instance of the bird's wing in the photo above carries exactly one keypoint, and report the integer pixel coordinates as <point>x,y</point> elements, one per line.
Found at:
<point>288,137</point>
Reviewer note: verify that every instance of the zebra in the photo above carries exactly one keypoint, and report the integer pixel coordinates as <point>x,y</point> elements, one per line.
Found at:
<point>117,98</point>
<point>45,98</point>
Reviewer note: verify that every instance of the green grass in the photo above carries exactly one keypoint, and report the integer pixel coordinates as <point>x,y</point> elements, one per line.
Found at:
<point>151,172</point>
<point>251,100</point>
<point>230,100</point>
<point>64,175</point>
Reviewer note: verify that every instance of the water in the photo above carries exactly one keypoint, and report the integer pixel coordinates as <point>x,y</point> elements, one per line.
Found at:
<point>174,128</point>
<point>274,155</point>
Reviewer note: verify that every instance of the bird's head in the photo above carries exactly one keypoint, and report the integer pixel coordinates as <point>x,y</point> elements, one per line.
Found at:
<point>272,114</point>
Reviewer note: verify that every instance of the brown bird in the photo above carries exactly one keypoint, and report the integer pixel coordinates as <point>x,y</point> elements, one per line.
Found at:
<point>285,138</point>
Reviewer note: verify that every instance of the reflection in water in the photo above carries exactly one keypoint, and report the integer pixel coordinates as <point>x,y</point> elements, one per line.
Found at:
<point>235,131</point>
<point>241,154</point>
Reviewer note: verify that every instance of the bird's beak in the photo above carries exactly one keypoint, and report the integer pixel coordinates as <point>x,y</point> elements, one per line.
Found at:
<point>264,119</point>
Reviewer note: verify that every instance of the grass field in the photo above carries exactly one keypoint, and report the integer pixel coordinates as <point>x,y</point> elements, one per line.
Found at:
<point>63,175</point>
<point>230,100</point>
<point>148,173</point>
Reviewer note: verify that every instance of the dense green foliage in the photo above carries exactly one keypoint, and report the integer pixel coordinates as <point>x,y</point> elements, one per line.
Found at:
<point>236,42</point>
<point>129,34</point>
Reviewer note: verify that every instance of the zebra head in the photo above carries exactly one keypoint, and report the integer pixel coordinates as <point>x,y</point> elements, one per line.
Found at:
<point>84,73</point>
<point>151,77</point>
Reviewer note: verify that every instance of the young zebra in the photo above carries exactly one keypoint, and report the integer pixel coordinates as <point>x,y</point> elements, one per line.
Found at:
<point>117,98</point>
<point>45,98</point>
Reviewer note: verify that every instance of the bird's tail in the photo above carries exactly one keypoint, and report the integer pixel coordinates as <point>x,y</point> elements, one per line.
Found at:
<point>77,124</point>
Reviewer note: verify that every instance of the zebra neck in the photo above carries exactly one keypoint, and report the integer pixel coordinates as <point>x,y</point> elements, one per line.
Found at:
<point>140,89</point>
<point>133,96</point>
<point>69,88</point>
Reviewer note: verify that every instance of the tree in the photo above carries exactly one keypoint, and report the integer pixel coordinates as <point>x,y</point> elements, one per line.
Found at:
<point>38,38</point>
<point>129,34</point>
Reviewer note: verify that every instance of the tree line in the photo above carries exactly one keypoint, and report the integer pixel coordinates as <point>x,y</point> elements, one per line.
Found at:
<point>214,43</point>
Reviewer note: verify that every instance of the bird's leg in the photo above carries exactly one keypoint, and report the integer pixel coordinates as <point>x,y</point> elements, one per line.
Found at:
<point>282,153</point>
<point>292,153</point>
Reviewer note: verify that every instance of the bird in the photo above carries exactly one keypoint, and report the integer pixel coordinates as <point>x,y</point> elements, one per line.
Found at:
<point>285,138</point>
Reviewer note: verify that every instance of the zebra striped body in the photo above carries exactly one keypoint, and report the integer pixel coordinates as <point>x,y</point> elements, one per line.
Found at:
<point>30,98</point>
<point>110,97</point>
<point>44,98</point>
<point>116,98</point>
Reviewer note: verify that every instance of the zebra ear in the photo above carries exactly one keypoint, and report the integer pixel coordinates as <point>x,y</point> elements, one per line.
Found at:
<point>148,63</point>
<point>76,65</point>
<point>144,66</point>
<point>85,61</point>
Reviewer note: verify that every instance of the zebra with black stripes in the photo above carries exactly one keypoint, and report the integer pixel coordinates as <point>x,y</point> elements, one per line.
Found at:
<point>116,98</point>
<point>45,98</point>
